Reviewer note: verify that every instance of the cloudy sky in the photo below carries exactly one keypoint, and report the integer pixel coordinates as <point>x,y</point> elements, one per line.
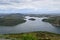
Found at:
<point>29,6</point>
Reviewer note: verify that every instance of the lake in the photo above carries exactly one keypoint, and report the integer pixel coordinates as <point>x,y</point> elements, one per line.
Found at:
<point>30,26</point>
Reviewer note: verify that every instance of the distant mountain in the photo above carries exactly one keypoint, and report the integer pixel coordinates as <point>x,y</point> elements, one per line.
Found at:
<point>3,14</point>
<point>12,15</point>
<point>40,15</point>
<point>16,15</point>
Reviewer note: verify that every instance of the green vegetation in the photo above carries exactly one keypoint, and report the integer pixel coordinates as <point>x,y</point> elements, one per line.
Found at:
<point>32,36</point>
<point>53,20</point>
<point>11,20</point>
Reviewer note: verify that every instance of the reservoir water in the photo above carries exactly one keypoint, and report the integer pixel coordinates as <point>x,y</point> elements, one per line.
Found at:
<point>30,26</point>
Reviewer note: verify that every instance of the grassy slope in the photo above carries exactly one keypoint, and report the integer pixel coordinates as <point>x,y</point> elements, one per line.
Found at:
<point>32,36</point>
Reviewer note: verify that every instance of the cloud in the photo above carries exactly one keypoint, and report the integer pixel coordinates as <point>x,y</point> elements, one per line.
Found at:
<point>48,5</point>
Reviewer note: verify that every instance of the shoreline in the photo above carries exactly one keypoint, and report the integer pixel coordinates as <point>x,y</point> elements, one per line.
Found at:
<point>51,22</point>
<point>31,32</point>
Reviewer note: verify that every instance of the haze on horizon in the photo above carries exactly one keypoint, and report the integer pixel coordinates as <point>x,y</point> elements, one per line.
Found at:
<point>29,6</point>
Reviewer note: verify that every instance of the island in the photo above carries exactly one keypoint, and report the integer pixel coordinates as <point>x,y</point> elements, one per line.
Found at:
<point>32,19</point>
<point>55,21</point>
<point>12,20</point>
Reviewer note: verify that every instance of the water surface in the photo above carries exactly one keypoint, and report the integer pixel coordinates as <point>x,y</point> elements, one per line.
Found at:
<point>29,26</point>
